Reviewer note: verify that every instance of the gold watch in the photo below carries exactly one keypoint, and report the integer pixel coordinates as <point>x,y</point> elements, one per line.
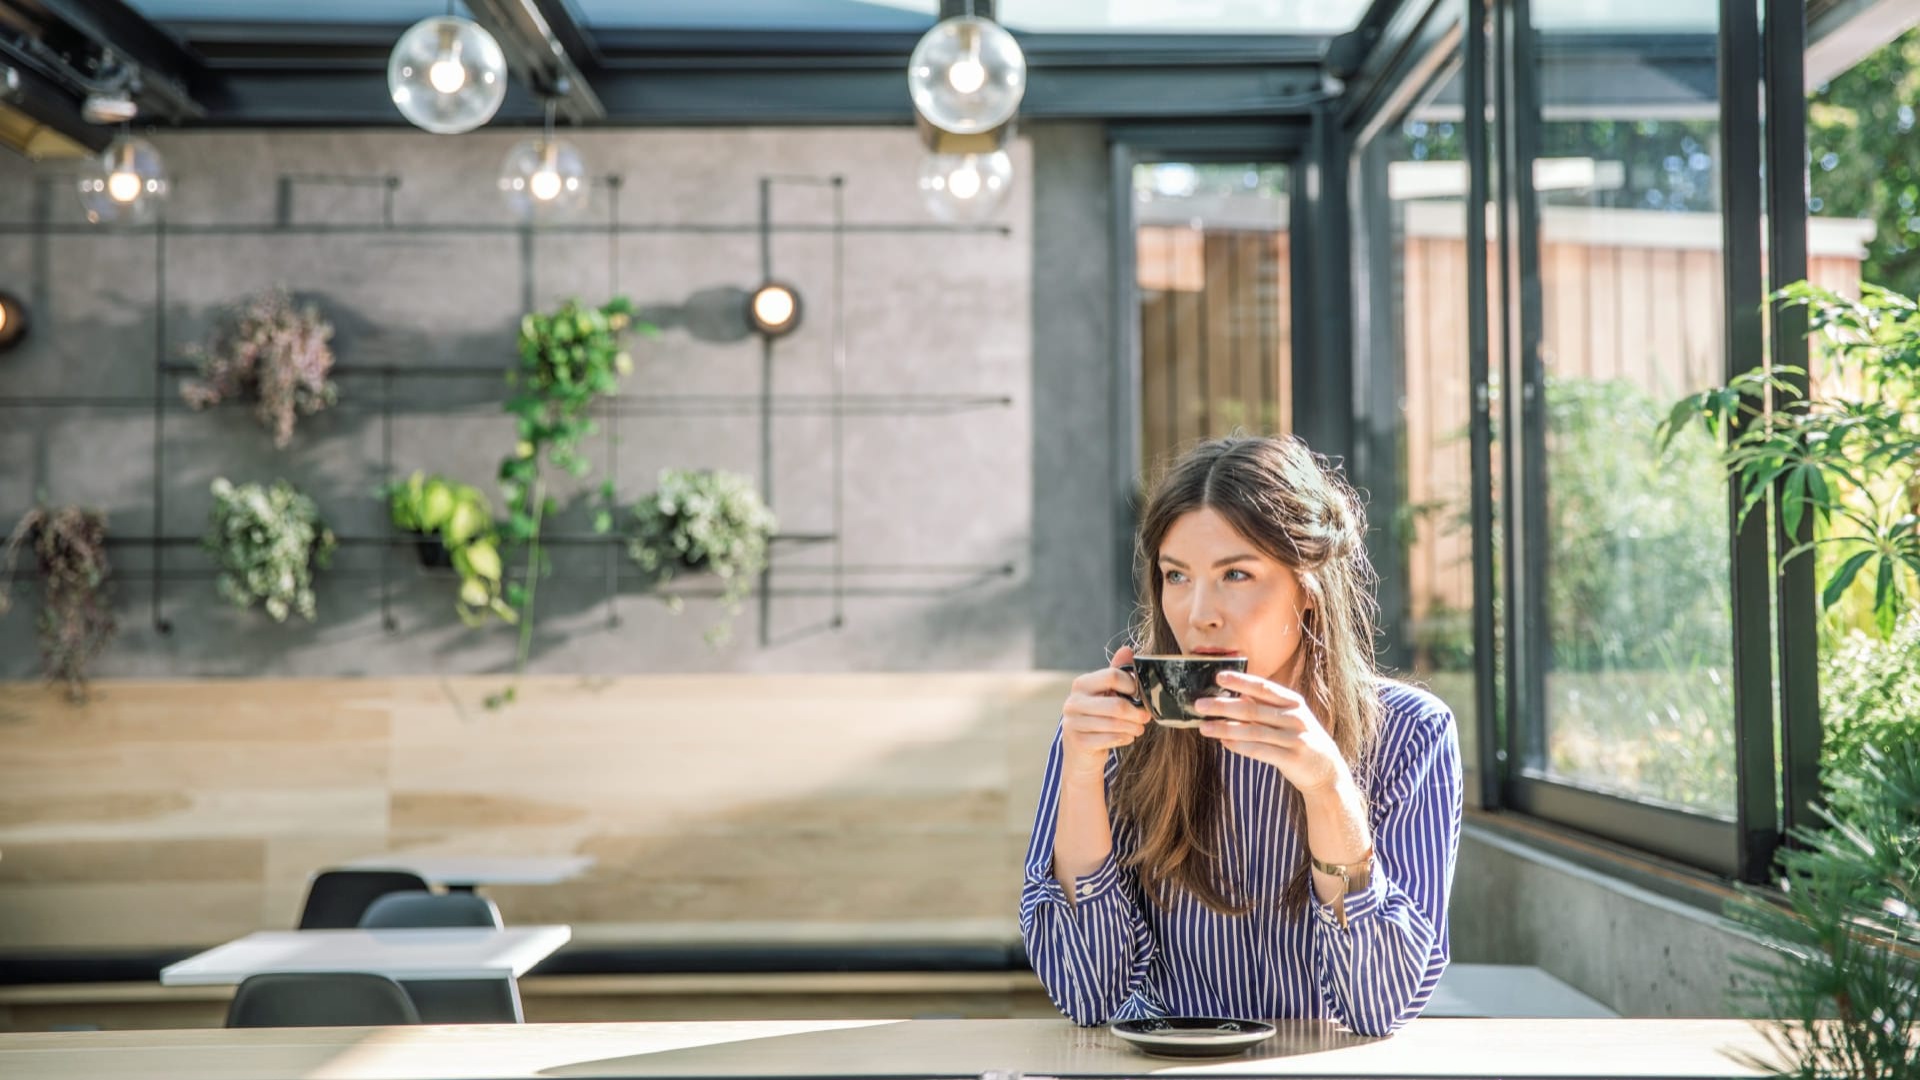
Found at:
<point>1354,877</point>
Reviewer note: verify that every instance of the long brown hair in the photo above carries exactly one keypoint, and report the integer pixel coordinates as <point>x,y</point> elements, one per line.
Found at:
<point>1293,505</point>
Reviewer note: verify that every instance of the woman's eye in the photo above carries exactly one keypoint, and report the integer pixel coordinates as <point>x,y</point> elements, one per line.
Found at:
<point>1242,575</point>
<point>1175,577</point>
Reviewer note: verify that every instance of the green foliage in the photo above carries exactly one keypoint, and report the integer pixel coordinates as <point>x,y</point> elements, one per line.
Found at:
<point>1637,556</point>
<point>570,358</point>
<point>1846,945</point>
<point>267,541</point>
<point>1850,457</point>
<point>704,521</point>
<point>76,618</point>
<point>462,519</point>
<point>1864,158</point>
<point>1869,693</point>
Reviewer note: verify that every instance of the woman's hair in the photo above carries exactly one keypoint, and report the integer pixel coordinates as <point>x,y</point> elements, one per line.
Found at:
<point>1293,506</point>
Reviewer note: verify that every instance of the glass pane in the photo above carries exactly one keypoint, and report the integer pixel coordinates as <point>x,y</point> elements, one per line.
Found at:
<point>1211,254</point>
<point>1422,293</point>
<point>1638,650</point>
<point>1031,16</point>
<point>366,12</point>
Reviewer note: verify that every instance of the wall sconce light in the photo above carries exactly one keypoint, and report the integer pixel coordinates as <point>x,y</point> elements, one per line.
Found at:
<point>774,309</point>
<point>13,321</point>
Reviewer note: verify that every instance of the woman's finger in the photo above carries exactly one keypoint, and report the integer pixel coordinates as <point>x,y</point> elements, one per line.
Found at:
<point>1229,731</point>
<point>1106,705</point>
<point>1248,711</point>
<point>1260,689</point>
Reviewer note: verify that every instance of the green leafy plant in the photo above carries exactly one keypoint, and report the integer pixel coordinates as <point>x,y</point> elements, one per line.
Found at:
<point>267,540</point>
<point>459,517</point>
<point>1869,692</point>
<point>1849,457</point>
<point>1843,971</point>
<point>570,358</point>
<point>272,351</point>
<point>703,521</point>
<point>76,616</point>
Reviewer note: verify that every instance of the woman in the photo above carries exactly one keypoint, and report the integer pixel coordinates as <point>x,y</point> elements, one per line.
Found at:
<point>1292,856</point>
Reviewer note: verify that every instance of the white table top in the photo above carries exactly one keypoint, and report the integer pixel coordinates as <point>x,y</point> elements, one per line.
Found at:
<point>468,871</point>
<point>877,1048</point>
<point>441,953</point>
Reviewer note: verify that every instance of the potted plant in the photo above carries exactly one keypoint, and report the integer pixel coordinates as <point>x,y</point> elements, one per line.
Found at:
<point>455,526</point>
<point>267,540</point>
<point>273,352</point>
<point>703,521</point>
<point>1841,977</point>
<point>76,618</point>
<point>570,358</point>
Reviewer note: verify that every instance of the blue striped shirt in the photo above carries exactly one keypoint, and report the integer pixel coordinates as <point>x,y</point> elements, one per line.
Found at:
<point>1114,955</point>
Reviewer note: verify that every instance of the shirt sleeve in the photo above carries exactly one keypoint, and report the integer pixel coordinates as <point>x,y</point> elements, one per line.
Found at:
<point>1379,971</point>
<point>1092,951</point>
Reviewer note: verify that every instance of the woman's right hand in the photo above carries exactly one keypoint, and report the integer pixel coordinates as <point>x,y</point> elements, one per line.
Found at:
<point>1100,715</point>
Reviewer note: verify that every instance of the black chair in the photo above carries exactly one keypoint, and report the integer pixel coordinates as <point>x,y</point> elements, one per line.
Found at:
<point>337,898</point>
<point>320,999</point>
<point>418,909</point>
<point>449,1001</point>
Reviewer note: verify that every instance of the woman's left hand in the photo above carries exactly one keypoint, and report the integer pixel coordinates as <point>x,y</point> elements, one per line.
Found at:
<point>1271,723</point>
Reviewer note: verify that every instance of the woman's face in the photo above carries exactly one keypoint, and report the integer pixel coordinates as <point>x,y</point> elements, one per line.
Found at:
<point>1220,594</point>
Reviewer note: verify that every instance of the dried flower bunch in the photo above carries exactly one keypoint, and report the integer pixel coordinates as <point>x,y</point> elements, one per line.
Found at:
<point>76,617</point>
<point>272,351</point>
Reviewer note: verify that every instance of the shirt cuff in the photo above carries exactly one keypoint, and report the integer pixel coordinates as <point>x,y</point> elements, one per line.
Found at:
<point>1103,880</point>
<point>1359,904</point>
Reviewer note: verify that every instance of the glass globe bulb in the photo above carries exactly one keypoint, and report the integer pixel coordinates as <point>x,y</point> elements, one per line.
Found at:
<point>967,75</point>
<point>447,75</point>
<point>963,188</point>
<point>544,179</point>
<point>126,184</point>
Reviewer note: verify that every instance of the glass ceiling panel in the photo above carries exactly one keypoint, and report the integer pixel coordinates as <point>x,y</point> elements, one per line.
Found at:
<point>281,12</point>
<point>1032,16</point>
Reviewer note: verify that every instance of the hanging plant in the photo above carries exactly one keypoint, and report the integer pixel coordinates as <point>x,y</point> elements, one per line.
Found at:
<point>703,521</point>
<point>570,358</point>
<point>272,352</point>
<point>267,540</point>
<point>76,618</point>
<point>455,523</point>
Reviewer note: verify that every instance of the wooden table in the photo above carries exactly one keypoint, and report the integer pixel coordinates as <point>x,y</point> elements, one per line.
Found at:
<point>439,953</point>
<point>465,873</point>
<point>872,1048</point>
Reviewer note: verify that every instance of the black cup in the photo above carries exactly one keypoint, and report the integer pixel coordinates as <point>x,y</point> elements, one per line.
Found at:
<point>1169,685</point>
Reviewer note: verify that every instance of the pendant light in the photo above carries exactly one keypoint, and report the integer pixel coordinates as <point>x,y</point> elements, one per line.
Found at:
<point>447,74</point>
<point>967,75</point>
<point>965,188</point>
<point>127,183</point>
<point>544,179</point>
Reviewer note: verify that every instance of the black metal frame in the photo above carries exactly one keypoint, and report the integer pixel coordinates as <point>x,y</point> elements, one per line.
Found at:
<point>1129,144</point>
<point>1502,54</point>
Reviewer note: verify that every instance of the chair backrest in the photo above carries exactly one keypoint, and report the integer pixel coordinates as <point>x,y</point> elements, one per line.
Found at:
<point>431,909</point>
<point>320,999</point>
<point>466,1001</point>
<point>337,898</point>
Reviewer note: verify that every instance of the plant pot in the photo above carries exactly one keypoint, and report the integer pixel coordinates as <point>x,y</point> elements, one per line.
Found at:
<point>433,554</point>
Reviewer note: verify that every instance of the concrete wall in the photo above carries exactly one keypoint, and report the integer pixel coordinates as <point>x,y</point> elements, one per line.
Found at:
<point>1639,953</point>
<point>932,493</point>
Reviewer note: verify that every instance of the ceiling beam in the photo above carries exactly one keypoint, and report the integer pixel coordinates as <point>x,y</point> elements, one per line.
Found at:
<point>173,80</point>
<point>535,34</point>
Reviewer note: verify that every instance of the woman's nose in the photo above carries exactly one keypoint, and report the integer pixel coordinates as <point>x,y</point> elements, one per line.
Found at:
<point>1203,614</point>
